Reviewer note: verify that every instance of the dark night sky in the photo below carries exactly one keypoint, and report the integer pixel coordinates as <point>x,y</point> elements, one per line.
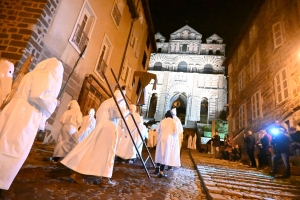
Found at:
<point>223,17</point>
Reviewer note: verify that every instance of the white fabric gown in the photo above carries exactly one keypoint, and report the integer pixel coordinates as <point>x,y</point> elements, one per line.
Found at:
<point>95,154</point>
<point>175,153</point>
<point>150,141</point>
<point>166,130</point>
<point>6,76</point>
<point>194,142</point>
<point>34,101</point>
<point>88,125</point>
<point>190,142</point>
<point>67,139</point>
<point>139,142</point>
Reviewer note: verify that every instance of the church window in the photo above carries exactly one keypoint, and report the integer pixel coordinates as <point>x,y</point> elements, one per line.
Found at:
<point>218,52</point>
<point>256,105</point>
<point>157,66</point>
<point>254,64</point>
<point>104,57</point>
<point>241,80</point>
<point>144,60</point>
<point>281,86</point>
<point>204,110</point>
<point>203,52</point>
<point>194,69</point>
<point>277,34</point>
<point>208,69</point>
<point>83,27</point>
<point>117,11</point>
<point>159,50</point>
<point>242,116</point>
<point>182,67</point>
<point>184,48</point>
<point>210,52</point>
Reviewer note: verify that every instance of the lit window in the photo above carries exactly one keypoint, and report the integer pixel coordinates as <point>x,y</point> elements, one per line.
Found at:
<point>256,105</point>
<point>277,34</point>
<point>254,64</point>
<point>281,86</point>
<point>242,116</point>
<point>103,58</point>
<point>117,11</point>
<point>241,80</point>
<point>83,28</point>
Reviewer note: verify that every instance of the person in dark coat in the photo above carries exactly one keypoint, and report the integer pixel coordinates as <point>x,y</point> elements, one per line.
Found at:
<point>250,145</point>
<point>216,144</point>
<point>282,146</point>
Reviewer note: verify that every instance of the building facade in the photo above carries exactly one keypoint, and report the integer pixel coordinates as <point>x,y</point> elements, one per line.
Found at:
<point>190,75</point>
<point>118,34</point>
<point>264,70</point>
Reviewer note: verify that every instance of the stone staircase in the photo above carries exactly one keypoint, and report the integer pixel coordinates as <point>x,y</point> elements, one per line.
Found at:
<point>228,180</point>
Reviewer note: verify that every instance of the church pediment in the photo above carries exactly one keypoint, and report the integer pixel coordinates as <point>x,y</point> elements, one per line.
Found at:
<point>214,39</point>
<point>159,37</point>
<point>186,33</point>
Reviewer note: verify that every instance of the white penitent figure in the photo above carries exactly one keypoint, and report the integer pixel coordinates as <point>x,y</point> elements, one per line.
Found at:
<point>21,118</point>
<point>194,142</point>
<point>150,142</point>
<point>67,140</point>
<point>190,142</point>
<point>144,133</point>
<point>6,76</point>
<point>125,148</point>
<point>95,154</point>
<point>166,130</point>
<point>88,124</point>
<point>175,153</point>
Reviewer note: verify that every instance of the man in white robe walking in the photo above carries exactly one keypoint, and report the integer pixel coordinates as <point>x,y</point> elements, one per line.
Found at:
<point>88,125</point>
<point>27,112</point>
<point>6,76</point>
<point>67,140</point>
<point>166,131</point>
<point>95,154</point>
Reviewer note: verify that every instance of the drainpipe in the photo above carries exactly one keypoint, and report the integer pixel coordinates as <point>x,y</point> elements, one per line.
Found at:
<point>134,16</point>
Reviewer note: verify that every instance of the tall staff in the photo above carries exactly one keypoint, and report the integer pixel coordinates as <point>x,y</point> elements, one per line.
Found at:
<point>80,56</point>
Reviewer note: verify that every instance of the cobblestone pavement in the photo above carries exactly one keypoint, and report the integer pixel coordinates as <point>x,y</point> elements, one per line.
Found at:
<point>223,179</point>
<point>38,179</point>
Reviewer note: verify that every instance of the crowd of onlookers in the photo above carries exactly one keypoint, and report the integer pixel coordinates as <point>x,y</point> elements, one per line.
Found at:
<point>264,150</point>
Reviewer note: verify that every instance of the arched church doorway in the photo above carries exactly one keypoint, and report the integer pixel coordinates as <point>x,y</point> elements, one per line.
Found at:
<point>204,111</point>
<point>152,106</point>
<point>179,101</point>
<point>157,66</point>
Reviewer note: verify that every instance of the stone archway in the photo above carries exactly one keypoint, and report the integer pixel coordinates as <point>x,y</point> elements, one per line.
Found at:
<point>179,100</point>
<point>152,106</point>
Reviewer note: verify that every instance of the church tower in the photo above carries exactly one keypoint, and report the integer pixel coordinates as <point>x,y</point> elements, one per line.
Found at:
<point>190,75</point>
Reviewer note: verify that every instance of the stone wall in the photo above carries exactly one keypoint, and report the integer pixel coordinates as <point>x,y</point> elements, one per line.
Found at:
<point>23,25</point>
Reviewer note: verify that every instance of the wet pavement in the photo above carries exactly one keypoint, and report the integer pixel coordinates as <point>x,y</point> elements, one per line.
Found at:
<point>39,179</point>
<point>223,179</point>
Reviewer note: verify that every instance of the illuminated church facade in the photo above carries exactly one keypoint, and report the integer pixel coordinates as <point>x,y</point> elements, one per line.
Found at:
<point>189,74</point>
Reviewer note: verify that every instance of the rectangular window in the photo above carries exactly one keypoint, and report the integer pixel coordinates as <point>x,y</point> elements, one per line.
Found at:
<point>242,116</point>
<point>241,80</point>
<point>117,11</point>
<point>281,86</point>
<point>277,34</point>
<point>144,60</point>
<point>256,105</point>
<point>83,27</point>
<point>103,58</point>
<point>254,64</point>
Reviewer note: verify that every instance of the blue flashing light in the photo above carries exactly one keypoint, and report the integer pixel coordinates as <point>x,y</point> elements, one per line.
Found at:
<point>274,131</point>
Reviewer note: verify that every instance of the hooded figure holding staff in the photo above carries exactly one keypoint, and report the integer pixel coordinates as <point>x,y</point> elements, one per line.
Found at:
<point>33,103</point>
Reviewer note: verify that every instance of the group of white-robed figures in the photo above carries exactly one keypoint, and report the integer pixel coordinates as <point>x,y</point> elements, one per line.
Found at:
<point>36,100</point>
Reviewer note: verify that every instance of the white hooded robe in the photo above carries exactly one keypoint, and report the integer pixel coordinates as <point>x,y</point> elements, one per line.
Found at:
<point>21,118</point>
<point>88,125</point>
<point>166,131</point>
<point>6,76</point>
<point>95,154</point>
<point>71,121</point>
